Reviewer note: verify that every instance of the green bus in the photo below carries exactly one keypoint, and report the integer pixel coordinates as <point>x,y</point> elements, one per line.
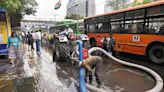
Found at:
<point>75,25</point>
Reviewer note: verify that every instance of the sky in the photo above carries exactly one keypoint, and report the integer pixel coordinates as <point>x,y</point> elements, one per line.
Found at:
<point>46,11</point>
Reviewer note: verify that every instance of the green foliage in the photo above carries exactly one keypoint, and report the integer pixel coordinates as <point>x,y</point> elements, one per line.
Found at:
<point>11,5</point>
<point>121,4</point>
<point>117,4</point>
<point>19,6</point>
<point>136,3</point>
<point>147,1</point>
<point>29,7</point>
<point>75,17</point>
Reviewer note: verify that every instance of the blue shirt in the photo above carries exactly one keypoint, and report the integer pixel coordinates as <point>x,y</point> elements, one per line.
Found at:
<point>13,41</point>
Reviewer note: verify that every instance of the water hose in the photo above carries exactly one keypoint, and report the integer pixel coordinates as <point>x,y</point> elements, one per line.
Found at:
<point>90,87</point>
<point>82,71</point>
<point>159,82</point>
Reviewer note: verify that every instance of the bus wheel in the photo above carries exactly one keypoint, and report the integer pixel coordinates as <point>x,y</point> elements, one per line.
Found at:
<point>156,54</point>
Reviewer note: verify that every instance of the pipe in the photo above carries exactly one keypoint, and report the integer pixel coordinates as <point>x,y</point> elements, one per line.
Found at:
<point>82,81</point>
<point>90,87</point>
<point>159,82</point>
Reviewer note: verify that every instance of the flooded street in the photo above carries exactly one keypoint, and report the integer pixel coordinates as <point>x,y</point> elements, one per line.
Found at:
<point>119,44</point>
<point>37,74</point>
<point>118,78</point>
<point>40,74</point>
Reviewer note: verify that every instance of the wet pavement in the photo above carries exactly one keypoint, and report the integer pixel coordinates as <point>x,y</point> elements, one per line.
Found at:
<point>33,74</point>
<point>40,74</point>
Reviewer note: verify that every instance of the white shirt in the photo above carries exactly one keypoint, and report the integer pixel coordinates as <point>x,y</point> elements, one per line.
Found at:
<point>38,35</point>
<point>70,30</point>
<point>22,33</point>
<point>66,31</point>
<point>108,39</point>
<point>33,35</point>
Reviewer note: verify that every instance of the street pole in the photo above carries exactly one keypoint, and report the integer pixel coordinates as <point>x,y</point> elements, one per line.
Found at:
<point>77,18</point>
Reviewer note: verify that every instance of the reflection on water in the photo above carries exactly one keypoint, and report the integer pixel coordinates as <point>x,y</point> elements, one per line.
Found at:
<point>127,79</point>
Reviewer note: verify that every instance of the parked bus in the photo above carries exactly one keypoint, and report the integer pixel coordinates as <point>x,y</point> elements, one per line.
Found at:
<point>76,25</point>
<point>137,30</point>
<point>5,31</point>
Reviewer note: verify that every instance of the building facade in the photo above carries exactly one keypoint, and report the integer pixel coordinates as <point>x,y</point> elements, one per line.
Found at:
<point>33,25</point>
<point>84,8</point>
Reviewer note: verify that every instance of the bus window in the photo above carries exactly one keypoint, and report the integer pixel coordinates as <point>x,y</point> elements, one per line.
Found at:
<point>128,26</point>
<point>139,13</point>
<point>134,26</point>
<point>116,17</point>
<point>99,27</point>
<point>155,11</point>
<point>155,25</point>
<point>161,30</point>
<point>92,28</point>
<point>161,26</point>
<point>106,27</point>
<point>117,27</point>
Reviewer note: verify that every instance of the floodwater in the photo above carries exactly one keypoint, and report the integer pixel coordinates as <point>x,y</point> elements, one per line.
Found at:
<point>116,77</point>
<point>35,74</point>
<point>40,74</point>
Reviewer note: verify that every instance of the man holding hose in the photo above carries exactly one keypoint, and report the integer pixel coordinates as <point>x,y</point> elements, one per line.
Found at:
<point>90,64</point>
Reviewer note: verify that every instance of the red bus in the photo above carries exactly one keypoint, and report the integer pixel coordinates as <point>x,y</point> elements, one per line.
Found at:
<point>137,30</point>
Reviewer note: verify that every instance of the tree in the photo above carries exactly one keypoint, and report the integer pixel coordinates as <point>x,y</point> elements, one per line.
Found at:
<point>10,5</point>
<point>19,6</point>
<point>74,16</point>
<point>147,1</point>
<point>136,2</point>
<point>117,4</point>
<point>29,7</point>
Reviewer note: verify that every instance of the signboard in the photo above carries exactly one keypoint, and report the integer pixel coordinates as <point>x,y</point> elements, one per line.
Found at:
<point>136,38</point>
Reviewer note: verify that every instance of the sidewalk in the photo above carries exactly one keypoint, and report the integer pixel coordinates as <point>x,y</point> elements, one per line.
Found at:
<point>35,74</point>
